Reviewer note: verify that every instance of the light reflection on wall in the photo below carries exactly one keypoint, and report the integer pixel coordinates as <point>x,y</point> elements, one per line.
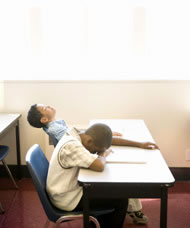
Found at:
<point>90,39</point>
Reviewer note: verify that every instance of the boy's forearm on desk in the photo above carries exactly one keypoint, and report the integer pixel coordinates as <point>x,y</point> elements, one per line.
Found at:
<point>118,141</point>
<point>98,164</point>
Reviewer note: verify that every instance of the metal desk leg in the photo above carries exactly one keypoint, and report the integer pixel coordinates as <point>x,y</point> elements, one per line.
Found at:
<point>85,206</point>
<point>163,207</point>
<point>18,152</point>
<point>2,211</point>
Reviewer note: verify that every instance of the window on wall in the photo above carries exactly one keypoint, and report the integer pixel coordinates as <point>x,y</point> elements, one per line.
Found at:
<point>87,39</point>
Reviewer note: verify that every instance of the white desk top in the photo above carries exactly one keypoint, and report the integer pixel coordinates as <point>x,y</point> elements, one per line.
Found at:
<point>131,129</point>
<point>6,120</point>
<point>155,170</point>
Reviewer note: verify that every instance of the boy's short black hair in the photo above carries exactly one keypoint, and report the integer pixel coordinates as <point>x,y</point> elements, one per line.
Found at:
<point>101,134</point>
<point>34,117</point>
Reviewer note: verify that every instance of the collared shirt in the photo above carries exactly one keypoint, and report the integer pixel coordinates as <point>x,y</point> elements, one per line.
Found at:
<point>55,129</point>
<point>62,180</point>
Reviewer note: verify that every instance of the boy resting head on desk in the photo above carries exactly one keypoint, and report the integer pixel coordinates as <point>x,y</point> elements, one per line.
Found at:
<point>76,150</point>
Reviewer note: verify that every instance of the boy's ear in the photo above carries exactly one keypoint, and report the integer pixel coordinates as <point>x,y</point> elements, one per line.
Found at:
<point>44,120</point>
<point>89,139</point>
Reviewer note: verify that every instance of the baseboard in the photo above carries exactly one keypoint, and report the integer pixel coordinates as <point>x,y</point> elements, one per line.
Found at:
<point>179,173</point>
<point>14,170</point>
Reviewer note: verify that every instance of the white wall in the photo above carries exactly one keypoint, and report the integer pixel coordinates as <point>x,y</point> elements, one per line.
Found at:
<point>164,105</point>
<point>1,95</point>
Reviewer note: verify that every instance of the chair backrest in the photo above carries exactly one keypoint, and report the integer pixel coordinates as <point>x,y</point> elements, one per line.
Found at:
<point>3,151</point>
<point>38,165</point>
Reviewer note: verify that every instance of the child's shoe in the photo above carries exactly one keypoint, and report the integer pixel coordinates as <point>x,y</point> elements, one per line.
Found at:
<point>138,217</point>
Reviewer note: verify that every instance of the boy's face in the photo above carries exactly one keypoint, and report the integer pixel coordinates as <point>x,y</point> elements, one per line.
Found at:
<point>48,113</point>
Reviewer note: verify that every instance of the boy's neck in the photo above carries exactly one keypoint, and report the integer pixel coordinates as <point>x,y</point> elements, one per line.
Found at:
<point>50,121</point>
<point>81,134</point>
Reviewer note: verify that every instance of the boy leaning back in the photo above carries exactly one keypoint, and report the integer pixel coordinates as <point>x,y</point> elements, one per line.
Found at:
<point>43,116</point>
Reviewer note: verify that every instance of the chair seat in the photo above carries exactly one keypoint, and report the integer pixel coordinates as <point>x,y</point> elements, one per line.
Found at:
<point>3,152</point>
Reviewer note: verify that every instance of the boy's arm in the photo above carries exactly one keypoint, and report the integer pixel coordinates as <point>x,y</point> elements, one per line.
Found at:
<point>119,141</point>
<point>99,163</point>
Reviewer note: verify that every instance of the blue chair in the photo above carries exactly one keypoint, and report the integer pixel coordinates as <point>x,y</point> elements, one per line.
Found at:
<point>38,168</point>
<point>3,153</point>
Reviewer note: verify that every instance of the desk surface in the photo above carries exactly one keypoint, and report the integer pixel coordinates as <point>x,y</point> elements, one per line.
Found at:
<point>154,171</point>
<point>7,120</point>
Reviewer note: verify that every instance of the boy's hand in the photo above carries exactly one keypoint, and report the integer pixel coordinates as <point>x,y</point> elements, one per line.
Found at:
<point>114,133</point>
<point>106,152</point>
<point>148,145</point>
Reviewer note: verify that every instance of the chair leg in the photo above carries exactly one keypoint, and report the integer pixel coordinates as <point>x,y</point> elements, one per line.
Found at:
<point>75,217</point>
<point>10,174</point>
<point>47,223</point>
<point>2,211</point>
<point>95,221</point>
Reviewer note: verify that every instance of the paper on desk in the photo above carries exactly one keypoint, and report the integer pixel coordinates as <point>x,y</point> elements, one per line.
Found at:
<point>129,155</point>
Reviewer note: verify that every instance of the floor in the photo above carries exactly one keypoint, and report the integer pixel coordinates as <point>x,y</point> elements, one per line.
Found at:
<point>23,208</point>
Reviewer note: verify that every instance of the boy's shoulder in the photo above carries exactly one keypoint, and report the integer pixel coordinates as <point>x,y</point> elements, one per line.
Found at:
<point>71,137</point>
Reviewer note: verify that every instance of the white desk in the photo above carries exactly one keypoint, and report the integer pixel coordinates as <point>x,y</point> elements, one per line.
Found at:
<point>7,122</point>
<point>148,180</point>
